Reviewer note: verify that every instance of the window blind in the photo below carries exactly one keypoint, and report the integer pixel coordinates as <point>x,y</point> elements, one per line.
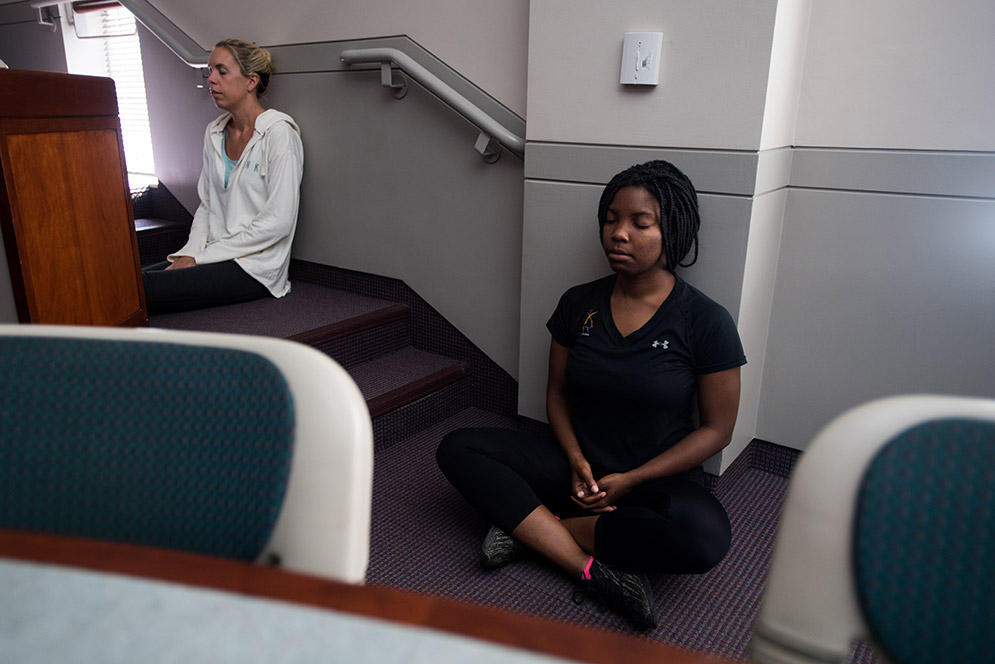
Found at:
<point>123,63</point>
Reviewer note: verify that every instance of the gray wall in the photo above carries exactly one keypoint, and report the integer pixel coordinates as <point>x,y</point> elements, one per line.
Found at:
<point>886,279</point>
<point>880,293</point>
<point>855,272</point>
<point>24,44</point>
<point>394,187</point>
<point>180,108</point>
<point>486,41</point>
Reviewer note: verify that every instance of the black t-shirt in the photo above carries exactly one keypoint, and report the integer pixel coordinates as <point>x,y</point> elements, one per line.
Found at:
<point>632,398</point>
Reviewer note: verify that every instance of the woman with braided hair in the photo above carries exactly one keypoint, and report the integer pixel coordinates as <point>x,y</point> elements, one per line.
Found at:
<point>644,380</point>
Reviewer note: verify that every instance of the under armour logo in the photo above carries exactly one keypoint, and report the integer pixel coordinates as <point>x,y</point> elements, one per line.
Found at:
<point>661,344</point>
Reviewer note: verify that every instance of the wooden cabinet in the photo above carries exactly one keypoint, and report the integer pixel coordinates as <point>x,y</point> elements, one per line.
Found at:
<point>65,207</point>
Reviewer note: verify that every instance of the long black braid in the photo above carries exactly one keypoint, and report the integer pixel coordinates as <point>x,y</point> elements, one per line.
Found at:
<point>679,220</point>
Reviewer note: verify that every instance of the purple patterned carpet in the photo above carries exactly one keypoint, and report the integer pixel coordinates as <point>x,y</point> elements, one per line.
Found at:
<point>305,308</point>
<point>425,539</point>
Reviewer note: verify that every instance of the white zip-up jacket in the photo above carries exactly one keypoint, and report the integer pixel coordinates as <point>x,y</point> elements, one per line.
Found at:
<point>253,220</point>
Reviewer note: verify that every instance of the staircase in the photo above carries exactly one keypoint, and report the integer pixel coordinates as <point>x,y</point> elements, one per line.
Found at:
<point>414,369</point>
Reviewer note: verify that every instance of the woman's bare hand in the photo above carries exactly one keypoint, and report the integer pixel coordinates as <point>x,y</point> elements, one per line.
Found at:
<point>182,262</point>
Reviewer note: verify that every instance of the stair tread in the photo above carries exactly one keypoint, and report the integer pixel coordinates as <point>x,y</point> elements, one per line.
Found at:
<point>404,376</point>
<point>307,312</point>
<point>401,367</point>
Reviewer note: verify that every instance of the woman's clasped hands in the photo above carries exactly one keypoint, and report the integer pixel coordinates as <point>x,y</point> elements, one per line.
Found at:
<point>598,496</point>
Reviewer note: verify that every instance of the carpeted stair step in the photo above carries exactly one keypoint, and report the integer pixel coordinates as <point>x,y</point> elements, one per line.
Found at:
<point>403,377</point>
<point>362,338</point>
<point>339,323</point>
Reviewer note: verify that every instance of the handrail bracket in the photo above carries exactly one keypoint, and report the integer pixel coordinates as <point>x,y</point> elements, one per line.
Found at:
<point>488,147</point>
<point>390,78</point>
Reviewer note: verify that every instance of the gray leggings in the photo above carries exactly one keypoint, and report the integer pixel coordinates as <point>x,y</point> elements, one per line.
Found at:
<point>672,524</point>
<point>198,287</point>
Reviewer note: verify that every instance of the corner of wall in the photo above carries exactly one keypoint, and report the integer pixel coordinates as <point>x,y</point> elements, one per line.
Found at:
<point>757,297</point>
<point>785,73</point>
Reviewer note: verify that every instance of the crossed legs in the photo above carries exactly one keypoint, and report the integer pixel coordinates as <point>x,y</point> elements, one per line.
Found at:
<point>520,480</point>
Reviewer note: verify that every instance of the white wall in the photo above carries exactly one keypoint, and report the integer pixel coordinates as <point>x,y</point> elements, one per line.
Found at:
<point>886,280</point>
<point>763,246</point>
<point>900,74</point>
<point>712,75</point>
<point>486,41</point>
<point>784,80</point>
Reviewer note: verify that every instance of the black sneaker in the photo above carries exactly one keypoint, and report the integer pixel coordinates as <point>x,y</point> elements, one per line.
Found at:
<point>627,593</point>
<point>499,549</point>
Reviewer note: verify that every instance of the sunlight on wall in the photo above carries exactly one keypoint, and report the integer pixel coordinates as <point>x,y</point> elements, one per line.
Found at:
<point>90,51</point>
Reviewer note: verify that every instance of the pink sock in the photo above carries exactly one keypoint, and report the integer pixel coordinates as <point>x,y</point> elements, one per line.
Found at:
<point>586,574</point>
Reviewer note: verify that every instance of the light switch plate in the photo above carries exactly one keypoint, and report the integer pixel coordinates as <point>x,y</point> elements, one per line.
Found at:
<point>641,58</point>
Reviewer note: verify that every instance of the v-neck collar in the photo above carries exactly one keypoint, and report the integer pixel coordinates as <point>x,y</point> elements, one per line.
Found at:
<point>637,334</point>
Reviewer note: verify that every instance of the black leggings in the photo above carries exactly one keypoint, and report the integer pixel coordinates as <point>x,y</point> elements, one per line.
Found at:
<point>197,287</point>
<point>672,525</point>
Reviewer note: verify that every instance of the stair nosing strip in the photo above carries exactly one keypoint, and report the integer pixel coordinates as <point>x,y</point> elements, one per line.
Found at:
<point>411,392</point>
<point>350,326</point>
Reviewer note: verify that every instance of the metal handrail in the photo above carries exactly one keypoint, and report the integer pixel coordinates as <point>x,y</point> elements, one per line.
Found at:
<point>185,48</point>
<point>492,132</point>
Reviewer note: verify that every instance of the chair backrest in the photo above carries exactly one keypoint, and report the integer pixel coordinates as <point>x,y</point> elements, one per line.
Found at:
<point>230,445</point>
<point>924,543</point>
<point>888,534</point>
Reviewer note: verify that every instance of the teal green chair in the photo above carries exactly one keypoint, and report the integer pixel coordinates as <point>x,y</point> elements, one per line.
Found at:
<point>243,447</point>
<point>888,534</point>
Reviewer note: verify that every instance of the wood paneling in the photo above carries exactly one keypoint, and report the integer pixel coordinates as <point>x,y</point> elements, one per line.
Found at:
<point>67,222</point>
<point>36,94</point>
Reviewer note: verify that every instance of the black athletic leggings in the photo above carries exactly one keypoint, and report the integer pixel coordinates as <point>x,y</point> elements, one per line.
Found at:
<point>197,287</point>
<point>671,525</point>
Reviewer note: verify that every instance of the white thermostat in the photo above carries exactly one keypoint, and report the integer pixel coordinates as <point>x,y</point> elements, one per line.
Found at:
<point>641,58</point>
